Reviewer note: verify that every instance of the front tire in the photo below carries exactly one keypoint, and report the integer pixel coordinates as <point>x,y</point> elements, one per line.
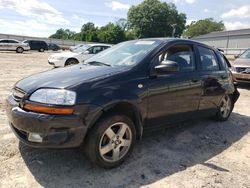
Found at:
<point>225,108</point>
<point>111,141</point>
<point>70,62</point>
<point>19,50</point>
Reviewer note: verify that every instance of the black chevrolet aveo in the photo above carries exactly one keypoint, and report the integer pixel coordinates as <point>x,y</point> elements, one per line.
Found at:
<point>107,102</point>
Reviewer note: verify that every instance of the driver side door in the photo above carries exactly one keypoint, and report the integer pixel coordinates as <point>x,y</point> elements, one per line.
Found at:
<point>174,97</point>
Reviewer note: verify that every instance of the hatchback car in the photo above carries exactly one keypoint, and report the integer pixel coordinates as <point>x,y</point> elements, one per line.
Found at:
<point>241,67</point>
<point>53,46</point>
<point>106,103</point>
<point>76,56</point>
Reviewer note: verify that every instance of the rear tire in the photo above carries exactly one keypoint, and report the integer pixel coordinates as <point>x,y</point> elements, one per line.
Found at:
<point>71,62</point>
<point>110,141</point>
<point>41,50</point>
<point>19,50</point>
<point>225,108</point>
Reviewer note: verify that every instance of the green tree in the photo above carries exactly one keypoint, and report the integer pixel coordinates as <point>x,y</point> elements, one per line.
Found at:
<point>63,34</point>
<point>111,33</point>
<point>153,18</point>
<point>89,32</point>
<point>202,27</point>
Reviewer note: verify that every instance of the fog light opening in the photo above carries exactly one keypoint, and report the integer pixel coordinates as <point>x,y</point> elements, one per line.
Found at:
<point>35,137</point>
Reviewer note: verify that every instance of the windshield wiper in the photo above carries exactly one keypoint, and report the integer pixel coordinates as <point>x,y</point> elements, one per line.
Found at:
<point>97,63</point>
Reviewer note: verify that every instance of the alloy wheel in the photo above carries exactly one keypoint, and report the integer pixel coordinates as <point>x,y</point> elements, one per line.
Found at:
<point>226,105</point>
<point>115,142</point>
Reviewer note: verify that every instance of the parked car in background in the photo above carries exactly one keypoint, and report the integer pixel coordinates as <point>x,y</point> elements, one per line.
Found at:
<point>241,67</point>
<point>72,48</point>
<point>107,102</point>
<point>53,46</point>
<point>13,45</point>
<point>76,56</point>
<point>38,45</point>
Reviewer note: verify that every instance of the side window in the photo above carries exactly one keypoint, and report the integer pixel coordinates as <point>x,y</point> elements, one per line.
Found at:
<point>181,54</point>
<point>105,47</point>
<point>12,41</point>
<point>208,59</point>
<point>4,41</point>
<point>95,50</point>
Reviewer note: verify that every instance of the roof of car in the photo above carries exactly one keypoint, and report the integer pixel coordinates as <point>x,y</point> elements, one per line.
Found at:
<point>98,44</point>
<point>11,39</point>
<point>165,40</point>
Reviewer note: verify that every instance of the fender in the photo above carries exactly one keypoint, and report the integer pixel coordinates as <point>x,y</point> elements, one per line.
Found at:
<point>135,103</point>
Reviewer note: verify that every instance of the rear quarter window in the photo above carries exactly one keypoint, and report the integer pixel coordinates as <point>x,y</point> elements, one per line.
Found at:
<point>208,59</point>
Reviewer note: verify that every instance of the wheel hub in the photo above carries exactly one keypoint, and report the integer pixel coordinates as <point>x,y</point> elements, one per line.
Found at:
<point>115,142</point>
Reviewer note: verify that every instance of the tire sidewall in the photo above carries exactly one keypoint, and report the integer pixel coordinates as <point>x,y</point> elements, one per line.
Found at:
<point>219,115</point>
<point>67,63</point>
<point>19,48</point>
<point>96,134</point>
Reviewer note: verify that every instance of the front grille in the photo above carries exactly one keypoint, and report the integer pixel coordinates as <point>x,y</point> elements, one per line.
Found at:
<point>18,94</point>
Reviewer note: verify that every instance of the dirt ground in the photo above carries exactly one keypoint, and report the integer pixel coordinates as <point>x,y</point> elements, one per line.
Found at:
<point>201,153</point>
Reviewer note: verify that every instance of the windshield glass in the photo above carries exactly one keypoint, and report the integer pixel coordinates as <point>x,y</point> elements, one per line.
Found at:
<point>81,49</point>
<point>245,55</point>
<point>125,54</point>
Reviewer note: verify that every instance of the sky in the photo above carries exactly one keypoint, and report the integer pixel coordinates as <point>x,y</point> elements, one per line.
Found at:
<point>41,18</point>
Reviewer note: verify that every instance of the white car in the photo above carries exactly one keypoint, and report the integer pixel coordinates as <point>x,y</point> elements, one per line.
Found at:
<point>13,45</point>
<point>76,56</point>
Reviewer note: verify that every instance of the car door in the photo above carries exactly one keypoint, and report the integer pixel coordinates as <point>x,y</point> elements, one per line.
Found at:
<point>174,97</point>
<point>4,44</point>
<point>12,44</point>
<point>214,77</point>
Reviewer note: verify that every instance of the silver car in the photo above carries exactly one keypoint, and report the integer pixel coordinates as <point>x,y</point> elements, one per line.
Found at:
<point>13,45</point>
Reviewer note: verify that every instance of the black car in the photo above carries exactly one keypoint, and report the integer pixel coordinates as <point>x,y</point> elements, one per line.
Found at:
<point>53,46</point>
<point>38,45</point>
<point>106,103</point>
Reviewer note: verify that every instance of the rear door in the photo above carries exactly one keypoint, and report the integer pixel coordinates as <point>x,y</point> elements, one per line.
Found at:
<point>4,44</point>
<point>12,44</point>
<point>174,97</point>
<point>214,77</point>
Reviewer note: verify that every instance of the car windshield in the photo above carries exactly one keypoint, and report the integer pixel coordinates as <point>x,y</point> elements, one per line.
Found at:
<point>245,55</point>
<point>125,54</point>
<point>81,49</point>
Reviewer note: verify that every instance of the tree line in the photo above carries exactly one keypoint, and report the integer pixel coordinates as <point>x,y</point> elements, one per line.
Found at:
<point>151,18</point>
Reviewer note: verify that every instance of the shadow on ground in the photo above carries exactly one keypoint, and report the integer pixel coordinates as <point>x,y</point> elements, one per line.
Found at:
<point>158,155</point>
<point>244,86</point>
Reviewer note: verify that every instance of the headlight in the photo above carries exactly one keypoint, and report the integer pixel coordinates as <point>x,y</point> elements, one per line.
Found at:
<point>54,96</point>
<point>56,58</point>
<point>59,58</point>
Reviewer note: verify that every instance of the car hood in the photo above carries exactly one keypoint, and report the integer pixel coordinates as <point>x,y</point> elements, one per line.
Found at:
<point>241,62</point>
<point>66,77</point>
<point>64,54</point>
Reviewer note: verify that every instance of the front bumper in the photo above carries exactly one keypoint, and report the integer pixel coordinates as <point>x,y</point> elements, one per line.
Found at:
<point>241,77</point>
<point>57,131</point>
<point>56,63</point>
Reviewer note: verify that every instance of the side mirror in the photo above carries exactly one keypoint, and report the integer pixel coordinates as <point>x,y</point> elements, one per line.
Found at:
<point>86,52</point>
<point>167,67</point>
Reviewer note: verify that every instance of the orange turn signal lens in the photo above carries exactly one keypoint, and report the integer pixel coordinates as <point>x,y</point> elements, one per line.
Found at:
<point>48,110</point>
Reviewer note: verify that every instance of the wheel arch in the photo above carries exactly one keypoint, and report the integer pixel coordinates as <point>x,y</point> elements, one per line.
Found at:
<point>123,107</point>
<point>71,58</point>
